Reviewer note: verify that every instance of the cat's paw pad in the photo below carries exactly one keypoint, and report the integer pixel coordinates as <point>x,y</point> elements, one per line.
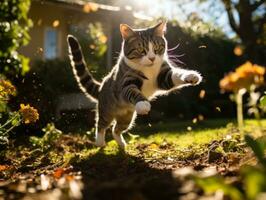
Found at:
<point>143,107</point>
<point>193,78</point>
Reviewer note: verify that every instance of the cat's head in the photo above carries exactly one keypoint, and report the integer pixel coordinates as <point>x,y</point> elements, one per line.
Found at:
<point>144,47</point>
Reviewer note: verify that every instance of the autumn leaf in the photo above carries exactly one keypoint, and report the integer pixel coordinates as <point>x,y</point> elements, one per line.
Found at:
<point>58,173</point>
<point>4,167</point>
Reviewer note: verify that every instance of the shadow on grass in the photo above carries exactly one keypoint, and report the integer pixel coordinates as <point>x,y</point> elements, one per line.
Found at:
<point>126,177</point>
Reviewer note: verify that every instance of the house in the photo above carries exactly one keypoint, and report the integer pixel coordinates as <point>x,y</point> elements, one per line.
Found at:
<point>53,20</point>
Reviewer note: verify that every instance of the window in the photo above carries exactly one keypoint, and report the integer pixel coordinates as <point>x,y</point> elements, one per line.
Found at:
<point>50,43</point>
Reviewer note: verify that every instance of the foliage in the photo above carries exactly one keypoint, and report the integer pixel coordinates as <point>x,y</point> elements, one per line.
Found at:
<point>263,102</point>
<point>247,20</point>
<point>9,120</point>
<point>94,38</point>
<point>14,27</point>
<point>252,177</point>
<point>48,139</point>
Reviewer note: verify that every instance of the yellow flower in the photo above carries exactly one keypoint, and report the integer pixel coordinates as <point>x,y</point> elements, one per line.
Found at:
<point>6,89</point>
<point>28,113</point>
<point>244,76</point>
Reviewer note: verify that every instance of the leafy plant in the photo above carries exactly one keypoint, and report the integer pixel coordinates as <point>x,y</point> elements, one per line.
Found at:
<point>258,147</point>
<point>14,27</point>
<point>48,139</point>
<point>10,120</point>
<point>252,177</point>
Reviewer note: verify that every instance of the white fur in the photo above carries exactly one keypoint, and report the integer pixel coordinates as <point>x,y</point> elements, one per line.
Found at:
<point>149,89</point>
<point>149,69</point>
<point>181,77</point>
<point>120,140</point>
<point>193,78</point>
<point>143,107</point>
<point>100,138</point>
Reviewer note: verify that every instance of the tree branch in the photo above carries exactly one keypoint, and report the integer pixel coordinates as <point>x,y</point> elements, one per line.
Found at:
<point>257,4</point>
<point>229,10</point>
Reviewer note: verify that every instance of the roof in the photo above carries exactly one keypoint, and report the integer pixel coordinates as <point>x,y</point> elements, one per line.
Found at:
<point>87,6</point>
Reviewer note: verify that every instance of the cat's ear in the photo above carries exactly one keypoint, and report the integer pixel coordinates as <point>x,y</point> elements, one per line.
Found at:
<point>160,29</point>
<point>126,31</point>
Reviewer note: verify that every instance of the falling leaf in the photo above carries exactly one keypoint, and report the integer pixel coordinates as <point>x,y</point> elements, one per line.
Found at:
<point>202,94</point>
<point>202,47</point>
<point>56,23</point>
<point>238,51</point>
<point>218,109</point>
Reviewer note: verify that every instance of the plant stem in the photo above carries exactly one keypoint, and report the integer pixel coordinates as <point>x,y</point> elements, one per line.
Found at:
<point>9,121</point>
<point>8,130</point>
<point>239,103</point>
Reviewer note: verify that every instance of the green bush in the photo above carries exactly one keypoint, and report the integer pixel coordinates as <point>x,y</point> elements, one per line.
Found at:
<point>14,27</point>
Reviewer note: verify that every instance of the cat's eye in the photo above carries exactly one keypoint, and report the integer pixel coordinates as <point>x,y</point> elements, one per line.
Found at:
<point>141,50</point>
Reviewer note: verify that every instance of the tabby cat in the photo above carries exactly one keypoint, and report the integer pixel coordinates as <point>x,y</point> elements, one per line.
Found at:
<point>142,72</point>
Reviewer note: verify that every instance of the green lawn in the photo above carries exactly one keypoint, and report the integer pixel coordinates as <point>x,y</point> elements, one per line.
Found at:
<point>144,169</point>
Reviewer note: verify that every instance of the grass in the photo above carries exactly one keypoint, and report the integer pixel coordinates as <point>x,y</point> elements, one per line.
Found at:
<point>152,153</point>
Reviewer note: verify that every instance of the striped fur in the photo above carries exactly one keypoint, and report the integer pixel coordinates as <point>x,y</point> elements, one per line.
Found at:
<point>82,75</point>
<point>141,73</point>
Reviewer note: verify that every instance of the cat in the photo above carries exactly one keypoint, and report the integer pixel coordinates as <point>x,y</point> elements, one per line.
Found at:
<point>142,72</point>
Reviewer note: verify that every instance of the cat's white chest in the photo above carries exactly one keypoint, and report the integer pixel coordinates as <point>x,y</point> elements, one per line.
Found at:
<point>150,86</point>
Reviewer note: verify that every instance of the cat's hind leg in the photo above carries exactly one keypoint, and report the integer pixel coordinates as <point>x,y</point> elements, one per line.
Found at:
<point>122,125</point>
<point>100,138</point>
<point>102,124</point>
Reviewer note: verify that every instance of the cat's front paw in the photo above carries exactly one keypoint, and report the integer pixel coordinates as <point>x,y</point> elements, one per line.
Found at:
<point>143,107</point>
<point>193,78</point>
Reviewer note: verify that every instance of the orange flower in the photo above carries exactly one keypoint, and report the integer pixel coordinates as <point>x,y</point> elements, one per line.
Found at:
<point>28,113</point>
<point>244,76</point>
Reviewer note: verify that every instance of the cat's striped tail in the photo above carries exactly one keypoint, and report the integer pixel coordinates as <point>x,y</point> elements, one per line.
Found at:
<point>85,80</point>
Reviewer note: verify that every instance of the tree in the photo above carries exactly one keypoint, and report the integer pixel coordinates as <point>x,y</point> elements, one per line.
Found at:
<point>250,26</point>
<point>14,26</point>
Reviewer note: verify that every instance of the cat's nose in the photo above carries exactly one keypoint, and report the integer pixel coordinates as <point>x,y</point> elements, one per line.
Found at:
<point>152,58</point>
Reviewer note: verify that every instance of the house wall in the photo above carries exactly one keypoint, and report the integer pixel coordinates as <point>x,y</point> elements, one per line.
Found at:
<point>44,14</point>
